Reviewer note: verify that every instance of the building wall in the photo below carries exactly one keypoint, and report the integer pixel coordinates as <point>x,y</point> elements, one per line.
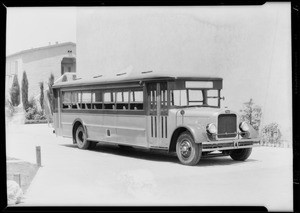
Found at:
<point>38,64</point>
<point>40,70</point>
<point>249,47</point>
<point>160,39</point>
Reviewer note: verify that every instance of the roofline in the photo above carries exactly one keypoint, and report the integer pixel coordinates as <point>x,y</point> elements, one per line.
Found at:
<point>88,82</point>
<point>41,48</point>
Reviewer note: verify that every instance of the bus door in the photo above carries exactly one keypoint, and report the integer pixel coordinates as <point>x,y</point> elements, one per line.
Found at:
<point>157,115</point>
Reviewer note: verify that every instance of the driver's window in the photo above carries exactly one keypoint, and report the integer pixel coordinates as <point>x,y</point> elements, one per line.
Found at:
<point>178,97</point>
<point>195,97</point>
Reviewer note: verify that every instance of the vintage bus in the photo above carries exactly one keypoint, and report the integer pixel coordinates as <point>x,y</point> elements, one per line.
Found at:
<point>176,114</point>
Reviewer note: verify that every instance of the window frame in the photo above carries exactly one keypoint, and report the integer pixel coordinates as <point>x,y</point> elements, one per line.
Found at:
<point>103,91</point>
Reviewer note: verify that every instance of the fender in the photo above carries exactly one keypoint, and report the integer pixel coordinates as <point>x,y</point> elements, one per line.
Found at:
<point>83,124</point>
<point>253,132</point>
<point>197,131</point>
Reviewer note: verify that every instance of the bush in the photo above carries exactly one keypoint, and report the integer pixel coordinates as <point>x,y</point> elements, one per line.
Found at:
<point>32,113</point>
<point>271,134</point>
<point>31,103</point>
<point>9,108</point>
<point>25,91</point>
<point>42,95</point>
<point>15,92</point>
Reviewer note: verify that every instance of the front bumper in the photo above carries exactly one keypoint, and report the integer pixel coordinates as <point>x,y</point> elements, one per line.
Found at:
<point>230,144</point>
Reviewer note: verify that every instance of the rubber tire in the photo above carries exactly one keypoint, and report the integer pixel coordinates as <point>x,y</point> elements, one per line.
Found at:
<point>240,154</point>
<point>195,153</point>
<point>85,144</point>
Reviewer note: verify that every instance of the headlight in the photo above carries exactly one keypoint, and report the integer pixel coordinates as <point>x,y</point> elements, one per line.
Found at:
<point>211,128</point>
<point>244,126</point>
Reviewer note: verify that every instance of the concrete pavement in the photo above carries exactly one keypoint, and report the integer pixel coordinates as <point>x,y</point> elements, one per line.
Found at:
<point>112,176</point>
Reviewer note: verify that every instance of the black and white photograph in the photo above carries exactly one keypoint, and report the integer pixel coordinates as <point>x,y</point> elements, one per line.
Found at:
<point>149,106</point>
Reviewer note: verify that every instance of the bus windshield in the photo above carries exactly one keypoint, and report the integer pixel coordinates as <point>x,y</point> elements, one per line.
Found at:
<point>195,97</point>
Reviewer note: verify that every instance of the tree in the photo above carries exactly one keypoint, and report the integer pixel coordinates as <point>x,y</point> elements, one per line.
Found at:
<point>50,92</point>
<point>271,134</point>
<point>25,91</point>
<point>42,95</point>
<point>252,114</point>
<point>15,92</point>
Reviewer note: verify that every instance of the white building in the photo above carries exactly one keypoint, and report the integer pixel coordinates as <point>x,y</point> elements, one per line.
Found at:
<point>38,63</point>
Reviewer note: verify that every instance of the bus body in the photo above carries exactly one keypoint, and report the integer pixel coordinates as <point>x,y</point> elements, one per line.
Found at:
<point>180,114</point>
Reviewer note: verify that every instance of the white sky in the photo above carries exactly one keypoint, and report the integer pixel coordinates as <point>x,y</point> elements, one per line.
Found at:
<point>33,27</point>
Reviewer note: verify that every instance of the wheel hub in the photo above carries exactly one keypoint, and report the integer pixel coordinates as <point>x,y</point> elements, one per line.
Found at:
<point>185,149</point>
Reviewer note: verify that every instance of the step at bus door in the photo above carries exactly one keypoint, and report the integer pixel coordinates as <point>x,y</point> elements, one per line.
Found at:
<point>157,118</point>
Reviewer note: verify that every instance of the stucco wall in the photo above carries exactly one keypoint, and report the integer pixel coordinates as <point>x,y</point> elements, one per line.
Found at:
<point>249,47</point>
<point>163,40</point>
<point>38,64</point>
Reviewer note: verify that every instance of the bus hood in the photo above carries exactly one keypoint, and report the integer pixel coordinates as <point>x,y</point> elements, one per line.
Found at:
<point>201,111</point>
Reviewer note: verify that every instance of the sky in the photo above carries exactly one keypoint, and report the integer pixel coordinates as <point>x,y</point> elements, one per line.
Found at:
<point>248,46</point>
<point>33,27</point>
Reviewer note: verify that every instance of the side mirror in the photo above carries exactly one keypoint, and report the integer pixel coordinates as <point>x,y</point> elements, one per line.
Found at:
<point>222,98</point>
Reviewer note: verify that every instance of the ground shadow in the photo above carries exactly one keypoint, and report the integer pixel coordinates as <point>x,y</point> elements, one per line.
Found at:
<point>222,161</point>
<point>156,155</point>
<point>138,153</point>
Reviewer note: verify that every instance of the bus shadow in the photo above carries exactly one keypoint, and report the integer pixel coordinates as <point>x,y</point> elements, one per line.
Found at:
<point>159,156</point>
<point>132,152</point>
<point>222,161</point>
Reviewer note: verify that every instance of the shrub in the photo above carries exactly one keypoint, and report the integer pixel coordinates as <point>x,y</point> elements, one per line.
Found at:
<point>15,92</point>
<point>31,103</point>
<point>252,114</point>
<point>25,91</point>
<point>32,112</point>
<point>42,95</point>
<point>50,92</point>
<point>9,108</point>
<point>271,134</point>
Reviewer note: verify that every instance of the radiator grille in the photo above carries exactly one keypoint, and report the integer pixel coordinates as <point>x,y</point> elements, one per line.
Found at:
<point>227,126</point>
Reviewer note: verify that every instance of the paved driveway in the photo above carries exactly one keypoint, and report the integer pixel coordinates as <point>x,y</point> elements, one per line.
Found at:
<point>112,176</point>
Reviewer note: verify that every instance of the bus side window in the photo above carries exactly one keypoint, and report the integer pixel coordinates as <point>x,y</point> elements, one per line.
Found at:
<point>122,100</point>
<point>109,100</point>
<point>76,97</point>
<point>136,100</point>
<point>86,100</point>
<point>66,100</point>
<point>97,99</point>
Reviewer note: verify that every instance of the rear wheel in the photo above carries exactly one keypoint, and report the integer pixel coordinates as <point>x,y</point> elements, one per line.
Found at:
<point>240,154</point>
<point>188,152</point>
<point>81,138</point>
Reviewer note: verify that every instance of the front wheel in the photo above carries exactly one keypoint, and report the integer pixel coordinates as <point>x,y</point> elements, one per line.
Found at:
<point>188,152</point>
<point>240,154</point>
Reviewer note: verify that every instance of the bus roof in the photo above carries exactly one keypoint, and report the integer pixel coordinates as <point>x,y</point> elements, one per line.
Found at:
<point>120,79</point>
